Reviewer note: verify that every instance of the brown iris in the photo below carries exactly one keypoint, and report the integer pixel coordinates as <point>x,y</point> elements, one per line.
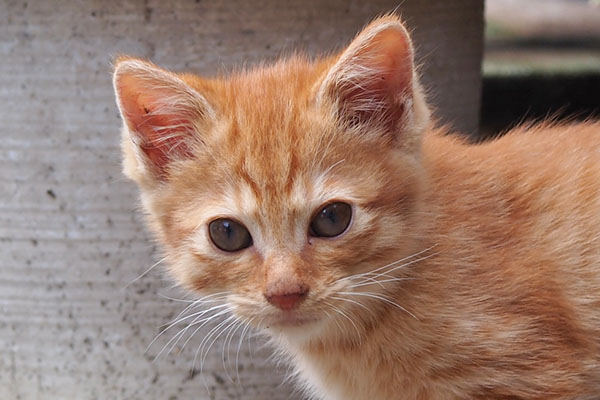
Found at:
<point>229,235</point>
<point>331,220</point>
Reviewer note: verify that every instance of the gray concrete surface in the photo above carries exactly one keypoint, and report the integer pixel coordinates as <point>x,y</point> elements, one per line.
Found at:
<point>70,236</point>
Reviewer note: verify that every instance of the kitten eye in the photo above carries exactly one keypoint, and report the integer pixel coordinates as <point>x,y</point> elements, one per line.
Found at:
<point>332,220</point>
<point>229,235</point>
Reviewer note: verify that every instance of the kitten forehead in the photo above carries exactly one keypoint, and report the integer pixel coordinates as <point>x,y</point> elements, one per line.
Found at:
<point>307,191</point>
<point>271,215</point>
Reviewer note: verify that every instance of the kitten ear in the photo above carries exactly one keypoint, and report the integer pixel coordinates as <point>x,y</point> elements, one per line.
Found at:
<point>373,85</point>
<point>161,114</point>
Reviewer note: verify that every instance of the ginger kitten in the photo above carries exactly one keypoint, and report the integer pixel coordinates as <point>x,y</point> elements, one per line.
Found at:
<point>385,257</point>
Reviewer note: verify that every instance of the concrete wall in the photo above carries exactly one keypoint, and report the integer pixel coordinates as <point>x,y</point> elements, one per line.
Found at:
<point>70,238</point>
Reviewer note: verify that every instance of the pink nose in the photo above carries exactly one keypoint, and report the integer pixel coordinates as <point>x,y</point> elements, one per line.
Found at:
<point>287,301</point>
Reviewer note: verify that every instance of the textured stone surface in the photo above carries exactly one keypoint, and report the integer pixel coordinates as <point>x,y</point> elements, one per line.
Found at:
<point>70,238</point>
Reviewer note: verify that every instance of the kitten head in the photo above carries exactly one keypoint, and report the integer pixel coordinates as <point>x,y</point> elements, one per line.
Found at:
<point>280,185</point>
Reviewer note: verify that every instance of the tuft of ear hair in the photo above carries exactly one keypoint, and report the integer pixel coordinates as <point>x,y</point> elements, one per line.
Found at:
<point>162,116</point>
<point>373,85</point>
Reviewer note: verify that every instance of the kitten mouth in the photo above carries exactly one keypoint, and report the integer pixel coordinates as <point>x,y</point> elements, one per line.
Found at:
<point>290,319</point>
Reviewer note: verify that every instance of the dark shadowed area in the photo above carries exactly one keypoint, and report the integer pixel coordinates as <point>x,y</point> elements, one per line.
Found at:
<point>542,59</point>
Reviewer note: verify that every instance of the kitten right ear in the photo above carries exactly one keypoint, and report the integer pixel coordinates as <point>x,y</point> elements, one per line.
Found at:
<point>162,116</point>
<point>373,85</point>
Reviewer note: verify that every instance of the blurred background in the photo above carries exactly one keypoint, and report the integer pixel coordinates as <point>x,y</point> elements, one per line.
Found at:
<point>79,304</point>
<point>542,59</point>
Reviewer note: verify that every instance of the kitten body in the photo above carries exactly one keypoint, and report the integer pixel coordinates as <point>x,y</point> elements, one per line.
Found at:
<point>508,307</point>
<point>467,271</point>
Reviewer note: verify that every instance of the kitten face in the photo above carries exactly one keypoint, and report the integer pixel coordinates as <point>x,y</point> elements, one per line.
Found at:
<point>268,149</point>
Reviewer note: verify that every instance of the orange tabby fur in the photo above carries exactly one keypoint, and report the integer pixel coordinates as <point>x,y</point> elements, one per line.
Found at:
<point>497,291</point>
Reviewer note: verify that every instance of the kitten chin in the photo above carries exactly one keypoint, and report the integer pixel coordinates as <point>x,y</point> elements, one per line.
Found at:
<point>387,258</point>
<point>299,329</point>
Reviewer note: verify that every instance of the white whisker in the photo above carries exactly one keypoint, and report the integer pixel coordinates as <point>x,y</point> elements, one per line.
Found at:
<point>391,266</point>
<point>334,320</point>
<point>406,264</point>
<point>174,299</point>
<point>380,297</point>
<point>177,321</point>
<point>227,345</point>
<point>380,283</point>
<point>191,301</point>
<point>354,302</point>
<point>202,301</point>
<point>237,354</point>
<point>203,323</point>
<point>215,332</point>
<point>197,321</point>
<point>145,272</point>
<point>342,313</point>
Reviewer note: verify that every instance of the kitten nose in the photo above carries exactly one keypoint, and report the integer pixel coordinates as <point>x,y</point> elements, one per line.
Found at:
<point>288,300</point>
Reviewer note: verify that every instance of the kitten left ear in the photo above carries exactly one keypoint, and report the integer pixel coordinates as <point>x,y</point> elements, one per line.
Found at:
<point>373,85</point>
<point>162,116</point>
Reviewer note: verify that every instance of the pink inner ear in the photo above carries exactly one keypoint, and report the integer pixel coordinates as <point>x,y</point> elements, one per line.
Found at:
<point>395,59</point>
<point>161,130</point>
